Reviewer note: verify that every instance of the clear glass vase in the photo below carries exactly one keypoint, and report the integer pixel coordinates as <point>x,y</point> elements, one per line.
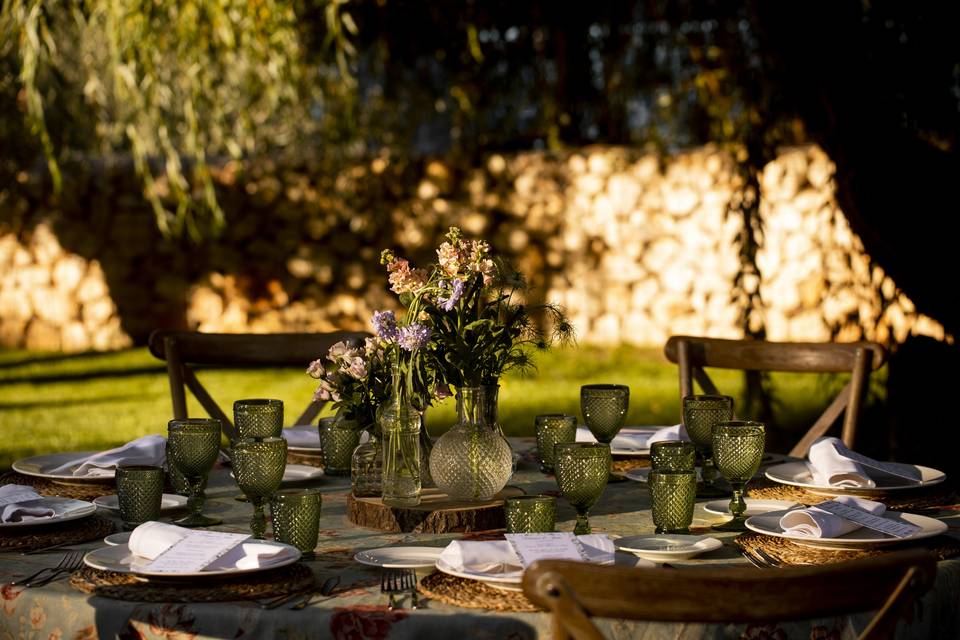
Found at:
<point>473,461</point>
<point>366,468</point>
<point>400,433</point>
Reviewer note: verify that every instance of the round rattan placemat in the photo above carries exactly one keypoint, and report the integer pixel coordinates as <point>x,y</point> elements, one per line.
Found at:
<point>48,488</point>
<point>622,465</point>
<point>912,499</point>
<point>292,579</point>
<point>788,552</point>
<point>473,594</point>
<point>313,460</point>
<point>49,535</point>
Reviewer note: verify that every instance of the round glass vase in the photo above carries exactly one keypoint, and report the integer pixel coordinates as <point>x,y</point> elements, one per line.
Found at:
<point>366,468</point>
<point>400,441</point>
<point>473,461</point>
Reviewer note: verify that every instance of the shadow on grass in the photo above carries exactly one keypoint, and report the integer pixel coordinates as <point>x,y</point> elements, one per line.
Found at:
<point>86,375</point>
<point>58,402</point>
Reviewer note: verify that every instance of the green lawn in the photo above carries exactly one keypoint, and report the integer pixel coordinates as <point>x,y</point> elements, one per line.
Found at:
<point>51,402</point>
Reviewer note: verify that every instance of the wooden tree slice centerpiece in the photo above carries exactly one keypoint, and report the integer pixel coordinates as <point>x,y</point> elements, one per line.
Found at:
<point>436,513</point>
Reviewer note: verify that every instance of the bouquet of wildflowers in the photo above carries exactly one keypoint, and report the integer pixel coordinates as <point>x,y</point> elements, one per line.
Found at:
<point>355,379</point>
<point>468,304</point>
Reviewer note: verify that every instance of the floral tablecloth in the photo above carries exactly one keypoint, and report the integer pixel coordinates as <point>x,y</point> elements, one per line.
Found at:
<point>357,611</point>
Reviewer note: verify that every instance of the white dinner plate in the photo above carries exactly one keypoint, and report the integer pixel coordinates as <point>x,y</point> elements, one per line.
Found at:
<point>640,474</point>
<point>400,557</point>
<point>798,474</point>
<point>667,548</point>
<point>65,509</point>
<point>297,473</point>
<point>118,538</point>
<point>621,446</point>
<point>41,466</point>
<point>168,502</point>
<point>769,524</point>
<point>119,558</point>
<point>755,507</point>
<point>305,451</point>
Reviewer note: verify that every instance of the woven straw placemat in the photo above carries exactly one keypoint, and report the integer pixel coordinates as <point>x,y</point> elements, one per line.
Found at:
<point>48,488</point>
<point>296,578</point>
<point>313,460</point>
<point>788,552</point>
<point>622,465</point>
<point>472,594</point>
<point>49,535</point>
<point>924,498</point>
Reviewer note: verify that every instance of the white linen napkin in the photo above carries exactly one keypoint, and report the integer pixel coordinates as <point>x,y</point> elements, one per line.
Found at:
<point>149,450</point>
<point>304,435</point>
<point>676,432</point>
<point>22,504</point>
<point>498,556</point>
<point>817,523</point>
<point>151,539</point>
<point>832,463</point>
<point>629,438</point>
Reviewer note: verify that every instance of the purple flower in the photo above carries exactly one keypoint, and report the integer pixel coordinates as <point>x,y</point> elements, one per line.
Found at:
<point>385,325</point>
<point>447,304</point>
<point>414,336</point>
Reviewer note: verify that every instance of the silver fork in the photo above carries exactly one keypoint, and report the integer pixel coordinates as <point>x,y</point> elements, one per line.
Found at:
<point>394,581</point>
<point>755,560</point>
<point>70,562</point>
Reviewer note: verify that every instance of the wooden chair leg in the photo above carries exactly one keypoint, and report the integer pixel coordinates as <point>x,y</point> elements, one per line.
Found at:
<point>569,618</point>
<point>175,374</point>
<point>884,623</point>
<point>858,387</point>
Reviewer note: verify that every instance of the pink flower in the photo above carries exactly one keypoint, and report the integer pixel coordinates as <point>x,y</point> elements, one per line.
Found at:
<point>315,370</point>
<point>403,279</point>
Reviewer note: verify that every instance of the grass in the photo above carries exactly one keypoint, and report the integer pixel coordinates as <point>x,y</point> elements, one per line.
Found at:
<point>53,402</point>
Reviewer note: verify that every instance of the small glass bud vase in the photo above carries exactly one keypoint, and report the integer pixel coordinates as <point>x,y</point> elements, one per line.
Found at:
<point>366,472</point>
<point>473,461</point>
<point>400,433</point>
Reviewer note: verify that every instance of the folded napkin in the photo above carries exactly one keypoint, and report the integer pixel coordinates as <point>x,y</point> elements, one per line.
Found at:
<point>150,450</point>
<point>151,539</point>
<point>20,503</point>
<point>304,435</point>
<point>498,556</point>
<point>676,432</point>
<point>832,464</point>
<point>817,523</point>
<point>629,438</point>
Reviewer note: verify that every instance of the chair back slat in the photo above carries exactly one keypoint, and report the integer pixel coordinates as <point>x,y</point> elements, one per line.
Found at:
<point>756,355</point>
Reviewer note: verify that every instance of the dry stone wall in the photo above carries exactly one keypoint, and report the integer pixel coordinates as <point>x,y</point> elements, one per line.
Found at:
<point>637,247</point>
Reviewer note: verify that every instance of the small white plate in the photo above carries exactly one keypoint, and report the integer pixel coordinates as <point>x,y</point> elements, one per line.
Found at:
<point>769,524</point>
<point>115,539</point>
<point>168,502</point>
<point>665,548</point>
<point>400,557</point>
<point>640,474</point>
<point>755,507</point>
<point>40,467</point>
<point>118,558</point>
<point>297,473</point>
<point>65,509</point>
<point>798,474</point>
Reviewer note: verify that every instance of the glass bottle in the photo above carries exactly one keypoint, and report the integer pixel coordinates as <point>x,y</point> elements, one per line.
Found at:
<point>400,432</point>
<point>366,474</point>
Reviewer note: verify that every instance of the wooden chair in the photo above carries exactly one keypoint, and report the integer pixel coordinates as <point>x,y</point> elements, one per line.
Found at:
<point>185,351</point>
<point>692,354</point>
<point>576,591</point>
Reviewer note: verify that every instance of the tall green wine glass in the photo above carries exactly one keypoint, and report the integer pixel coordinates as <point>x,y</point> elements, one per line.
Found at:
<point>258,418</point>
<point>738,450</point>
<point>193,445</point>
<point>604,408</point>
<point>582,469</point>
<point>700,413</point>
<point>258,466</point>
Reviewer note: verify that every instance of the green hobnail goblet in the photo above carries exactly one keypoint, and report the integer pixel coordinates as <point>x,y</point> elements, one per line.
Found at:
<point>258,466</point>
<point>338,439</point>
<point>296,518</point>
<point>672,496</point>
<point>604,408</point>
<point>530,514</point>
<point>258,418</point>
<point>700,413</point>
<point>139,493</point>
<point>582,469</point>
<point>738,447</point>
<point>193,445</point>
<point>672,455</point>
<point>551,429</point>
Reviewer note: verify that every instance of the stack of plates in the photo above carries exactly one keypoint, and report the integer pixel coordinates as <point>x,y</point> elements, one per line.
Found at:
<point>42,467</point>
<point>119,558</point>
<point>66,509</point>
<point>797,474</point>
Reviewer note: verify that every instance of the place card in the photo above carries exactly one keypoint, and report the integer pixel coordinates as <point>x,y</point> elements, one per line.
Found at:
<point>18,497</point>
<point>900,470</point>
<point>868,520</point>
<point>195,551</point>
<point>531,547</point>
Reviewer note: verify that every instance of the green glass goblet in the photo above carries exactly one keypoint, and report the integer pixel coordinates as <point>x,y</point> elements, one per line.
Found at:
<point>672,455</point>
<point>139,493</point>
<point>531,514</point>
<point>338,439</point>
<point>296,518</point>
<point>738,450</point>
<point>258,418</point>
<point>258,466</point>
<point>551,429</point>
<point>193,445</point>
<point>672,495</point>
<point>700,413</point>
<point>582,469</point>
<point>604,408</point>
